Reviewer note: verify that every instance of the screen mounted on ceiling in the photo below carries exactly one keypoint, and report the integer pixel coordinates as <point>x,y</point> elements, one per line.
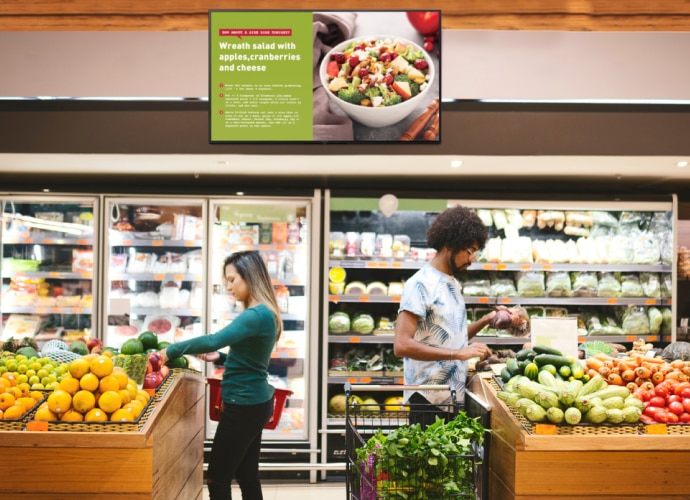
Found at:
<point>324,77</point>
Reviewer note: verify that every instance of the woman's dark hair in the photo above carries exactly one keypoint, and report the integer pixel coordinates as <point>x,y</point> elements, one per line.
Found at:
<point>457,227</point>
<point>252,269</point>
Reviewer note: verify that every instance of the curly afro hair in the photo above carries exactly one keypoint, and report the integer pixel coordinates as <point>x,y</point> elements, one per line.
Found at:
<point>457,227</point>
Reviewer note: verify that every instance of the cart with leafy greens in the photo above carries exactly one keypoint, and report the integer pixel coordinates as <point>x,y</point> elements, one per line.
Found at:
<point>389,458</point>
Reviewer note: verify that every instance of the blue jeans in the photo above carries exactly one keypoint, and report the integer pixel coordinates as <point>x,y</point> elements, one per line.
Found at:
<point>235,451</point>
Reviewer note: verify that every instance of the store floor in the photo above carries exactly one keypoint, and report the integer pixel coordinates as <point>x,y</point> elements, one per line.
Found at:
<point>296,491</point>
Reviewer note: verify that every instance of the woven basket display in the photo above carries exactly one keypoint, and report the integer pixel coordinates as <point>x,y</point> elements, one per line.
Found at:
<point>19,424</point>
<point>134,426</point>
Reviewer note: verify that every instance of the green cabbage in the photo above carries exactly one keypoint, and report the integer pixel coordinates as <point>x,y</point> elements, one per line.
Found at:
<point>363,324</point>
<point>339,322</point>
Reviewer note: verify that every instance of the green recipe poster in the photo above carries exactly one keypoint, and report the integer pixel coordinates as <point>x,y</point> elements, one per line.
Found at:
<point>260,76</point>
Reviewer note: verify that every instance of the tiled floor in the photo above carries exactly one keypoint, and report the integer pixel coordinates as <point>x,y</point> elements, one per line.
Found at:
<point>296,491</point>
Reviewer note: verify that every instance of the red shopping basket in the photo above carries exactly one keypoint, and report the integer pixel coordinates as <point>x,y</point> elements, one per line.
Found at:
<point>215,402</point>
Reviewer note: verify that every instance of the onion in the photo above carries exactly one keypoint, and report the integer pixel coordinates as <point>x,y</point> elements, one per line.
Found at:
<point>502,319</point>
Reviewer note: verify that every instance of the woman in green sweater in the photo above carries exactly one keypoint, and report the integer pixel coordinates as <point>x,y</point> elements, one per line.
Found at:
<point>247,395</point>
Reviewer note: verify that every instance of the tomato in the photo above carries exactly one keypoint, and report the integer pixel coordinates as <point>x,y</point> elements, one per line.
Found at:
<point>426,23</point>
<point>643,395</point>
<point>685,393</point>
<point>657,401</point>
<point>679,388</point>
<point>672,398</point>
<point>651,411</point>
<point>662,390</point>
<point>672,418</point>
<point>662,416</point>
<point>684,418</point>
<point>676,407</point>
<point>686,404</point>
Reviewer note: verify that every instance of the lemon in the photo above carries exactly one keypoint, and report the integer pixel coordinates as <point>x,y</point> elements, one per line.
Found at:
<point>336,274</point>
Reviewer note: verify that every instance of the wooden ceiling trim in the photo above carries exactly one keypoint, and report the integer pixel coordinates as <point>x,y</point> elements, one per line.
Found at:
<point>192,15</point>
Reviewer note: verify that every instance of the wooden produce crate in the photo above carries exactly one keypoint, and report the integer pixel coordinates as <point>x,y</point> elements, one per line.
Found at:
<point>162,461</point>
<point>606,465</point>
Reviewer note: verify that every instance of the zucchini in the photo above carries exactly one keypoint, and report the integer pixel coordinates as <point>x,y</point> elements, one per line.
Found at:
<point>616,402</point>
<point>550,368</point>
<point>545,377</point>
<point>631,414</point>
<point>554,415</point>
<point>535,413</point>
<point>522,404</point>
<point>546,399</point>
<point>532,371</point>
<point>525,355</point>
<point>595,384</point>
<point>552,359</point>
<point>611,391</point>
<point>542,349</point>
<point>596,415</point>
<point>577,369</point>
<point>614,415</point>
<point>634,402</point>
<point>572,415</point>
<point>565,371</point>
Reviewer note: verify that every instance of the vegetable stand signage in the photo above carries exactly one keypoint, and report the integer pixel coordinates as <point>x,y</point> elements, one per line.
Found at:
<point>557,332</point>
<point>301,76</point>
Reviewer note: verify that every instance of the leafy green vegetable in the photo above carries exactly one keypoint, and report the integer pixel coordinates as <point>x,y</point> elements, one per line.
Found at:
<point>413,463</point>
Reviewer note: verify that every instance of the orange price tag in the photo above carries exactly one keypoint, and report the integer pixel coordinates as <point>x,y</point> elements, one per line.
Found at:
<point>295,281</point>
<point>37,425</point>
<point>364,298</point>
<point>57,310</point>
<point>87,275</point>
<point>157,243</point>
<point>178,277</point>
<point>657,429</point>
<point>501,267</point>
<point>53,274</point>
<point>27,240</point>
<point>372,264</point>
<point>385,265</point>
<point>41,310</point>
<point>77,310</point>
<point>333,298</point>
<point>48,241</point>
<point>365,380</point>
<point>126,243</point>
<point>483,300</point>
<point>396,265</point>
<point>506,300</point>
<point>547,267</point>
<point>280,247</point>
<point>159,277</point>
<point>82,242</point>
<point>545,429</point>
<point>355,339</point>
<point>353,380</point>
<point>264,248</point>
<point>400,381</point>
<point>653,338</point>
<point>488,267</point>
<point>292,248</point>
<point>581,339</point>
<point>612,301</point>
<point>396,298</point>
<point>650,302</point>
<point>526,267</point>
<point>630,338</point>
<point>190,243</point>
<point>20,273</point>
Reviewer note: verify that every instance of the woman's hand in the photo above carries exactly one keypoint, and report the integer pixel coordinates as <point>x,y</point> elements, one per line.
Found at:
<point>209,356</point>
<point>164,356</point>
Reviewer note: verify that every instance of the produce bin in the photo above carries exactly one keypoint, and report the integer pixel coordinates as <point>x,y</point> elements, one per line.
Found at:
<point>161,460</point>
<point>550,462</point>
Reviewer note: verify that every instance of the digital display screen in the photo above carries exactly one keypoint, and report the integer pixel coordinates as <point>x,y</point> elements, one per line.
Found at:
<point>324,77</point>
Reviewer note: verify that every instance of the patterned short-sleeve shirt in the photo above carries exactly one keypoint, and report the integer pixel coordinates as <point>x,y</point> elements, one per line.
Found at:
<point>436,298</point>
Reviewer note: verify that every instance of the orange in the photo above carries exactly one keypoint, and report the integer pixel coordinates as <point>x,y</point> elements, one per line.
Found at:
<point>96,415</point>
<point>101,366</point>
<point>27,403</point>
<point>125,395</point>
<point>78,367</point>
<point>71,416</point>
<point>135,406</point>
<point>122,415</point>
<point>14,412</point>
<point>2,413</point>
<point>83,401</point>
<point>59,401</point>
<point>6,400</point>
<point>121,375</point>
<point>37,395</point>
<point>16,391</point>
<point>109,383</point>
<point>69,384</point>
<point>132,389</point>
<point>44,414</point>
<point>11,378</point>
<point>25,389</point>
<point>89,382</point>
<point>110,401</point>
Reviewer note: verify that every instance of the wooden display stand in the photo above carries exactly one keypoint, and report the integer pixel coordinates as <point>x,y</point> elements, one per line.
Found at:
<point>526,466</point>
<point>164,460</point>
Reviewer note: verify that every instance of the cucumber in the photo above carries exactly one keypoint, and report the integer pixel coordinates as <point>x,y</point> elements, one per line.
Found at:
<point>505,374</point>
<point>525,354</point>
<point>542,349</point>
<point>512,366</point>
<point>552,359</point>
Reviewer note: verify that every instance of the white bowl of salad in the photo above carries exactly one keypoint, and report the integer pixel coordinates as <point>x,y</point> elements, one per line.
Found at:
<point>377,80</point>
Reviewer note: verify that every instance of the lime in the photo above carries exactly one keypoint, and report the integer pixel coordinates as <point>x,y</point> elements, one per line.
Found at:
<point>336,274</point>
<point>180,362</point>
<point>163,345</point>
<point>149,339</point>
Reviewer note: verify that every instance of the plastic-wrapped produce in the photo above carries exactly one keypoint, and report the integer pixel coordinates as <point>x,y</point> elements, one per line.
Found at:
<point>666,286</point>
<point>502,286</point>
<point>646,249</point>
<point>555,312</point>
<point>529,217</point>
<point>655,320</point>
<point>572,253</point>
<point>477,287</point>
<point>666,320</point>
<point>514,218</point>
<point>609,286</point>
<point>516,250</point>
<point>485,216</point>
<point>540,252</point>
<point>500,219</point>
<point>558,284</point>
<point>602,325</point>
<point>651,287</point>
<point>604,219</point>
<point>531,284</point>
<point>636,321</point>
<point>620,250</point>
<point>585,284</point>
<point>492,250</point>
<point>666,247</point>
<point>631,286</point>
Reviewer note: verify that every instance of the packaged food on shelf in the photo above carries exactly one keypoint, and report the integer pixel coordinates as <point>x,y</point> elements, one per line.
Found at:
<point>336,245</point>
<point>351,245</point>
<point>401,246</point>
<point>384,246</point>
<point>367,245</point>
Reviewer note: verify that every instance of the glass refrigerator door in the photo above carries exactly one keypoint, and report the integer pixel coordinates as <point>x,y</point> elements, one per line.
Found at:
<point>48,255</point>
<point>154,270</point>
<point>282,231</point>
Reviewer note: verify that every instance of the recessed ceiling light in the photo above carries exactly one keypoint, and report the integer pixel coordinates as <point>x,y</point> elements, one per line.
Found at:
<point>682,164</point>
<point>240,193</point>
<point>456,163</point>
<point>46,190</point>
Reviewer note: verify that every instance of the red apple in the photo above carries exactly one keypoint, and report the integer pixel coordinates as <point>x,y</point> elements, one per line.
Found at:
<point>153,380</point>
<point>165,370</point>
<point>155,360</point>
<point>426,23</point>
<point>149,367</point>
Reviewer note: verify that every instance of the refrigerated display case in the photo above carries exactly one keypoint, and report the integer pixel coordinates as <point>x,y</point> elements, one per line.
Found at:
<point>48,267</point>
<point>286,233</point>
<point>154,269</point>
<point>610,264</point>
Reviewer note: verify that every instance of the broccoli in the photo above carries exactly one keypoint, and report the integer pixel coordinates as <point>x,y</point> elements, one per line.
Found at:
<point>411,54</point>
<point>414,87</point>
<point>393,98</point>
<point>372,92</point>
<point>351,94</point>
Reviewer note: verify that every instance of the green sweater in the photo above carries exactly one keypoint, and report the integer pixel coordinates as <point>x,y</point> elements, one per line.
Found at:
<point>251,337</point>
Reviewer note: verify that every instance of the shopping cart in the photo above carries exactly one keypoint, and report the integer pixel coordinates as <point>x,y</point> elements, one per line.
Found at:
<point>381,474</point>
